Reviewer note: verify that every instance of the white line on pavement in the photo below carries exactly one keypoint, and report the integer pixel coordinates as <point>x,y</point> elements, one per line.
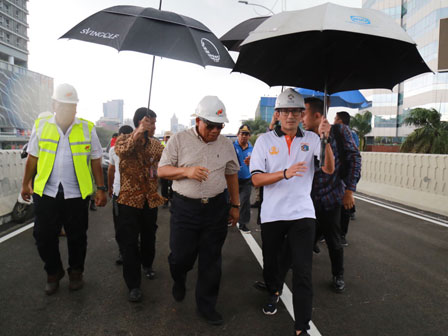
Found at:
<point>286,295</point>
<point>15,233</point>
<point>404,211</point>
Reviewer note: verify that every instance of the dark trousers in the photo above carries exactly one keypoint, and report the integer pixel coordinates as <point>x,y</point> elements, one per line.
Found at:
<point>345,219</point>
<point>245,188</point>
<point>198,231</point>
<point>51,215</point>
<point>299,235</point>
<point>115,216</point>
<point>166,190</point>
<point>329,226</point>
<point>134,223</point>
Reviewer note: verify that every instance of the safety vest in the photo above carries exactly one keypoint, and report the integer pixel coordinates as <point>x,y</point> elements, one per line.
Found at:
<point>80,146</point>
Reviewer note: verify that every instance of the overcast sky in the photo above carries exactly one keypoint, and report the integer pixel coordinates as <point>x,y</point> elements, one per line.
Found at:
<point>100,73</point>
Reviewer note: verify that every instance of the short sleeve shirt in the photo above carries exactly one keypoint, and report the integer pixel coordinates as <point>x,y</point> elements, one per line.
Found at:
<point>187,149</point>
<point>114,160</point>
<point>286,199</point>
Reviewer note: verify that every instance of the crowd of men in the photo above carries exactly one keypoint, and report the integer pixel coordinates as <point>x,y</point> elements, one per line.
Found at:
<point>307,177</point>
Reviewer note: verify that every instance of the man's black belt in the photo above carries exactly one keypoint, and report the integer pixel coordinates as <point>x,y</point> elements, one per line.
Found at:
<point>203,200</point>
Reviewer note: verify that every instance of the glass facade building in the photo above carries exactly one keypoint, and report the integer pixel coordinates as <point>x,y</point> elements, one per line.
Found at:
<point>421,20</point>
<point>265,108</point>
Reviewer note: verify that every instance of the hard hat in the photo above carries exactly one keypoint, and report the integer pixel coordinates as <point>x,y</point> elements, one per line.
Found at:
<point>289,99</point>
<point>168,134</point>
<point>45,114</point>
<point>65,93</point>
<point>211,109</point>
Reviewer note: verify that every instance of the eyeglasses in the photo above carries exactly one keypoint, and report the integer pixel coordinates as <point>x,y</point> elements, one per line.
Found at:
<point>211,125</point>
<point>294,112</point>
<point>245,133</point>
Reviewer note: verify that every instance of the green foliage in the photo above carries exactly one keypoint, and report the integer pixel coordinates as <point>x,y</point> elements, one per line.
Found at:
<point>257,126</point>
<point>431,134</point>
<point>104,135</point>
<point>362,125</point>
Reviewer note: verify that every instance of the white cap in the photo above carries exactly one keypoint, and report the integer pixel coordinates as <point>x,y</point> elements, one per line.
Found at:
<point>211,109</point>
<point>65,93</point>
<point>290,99</point>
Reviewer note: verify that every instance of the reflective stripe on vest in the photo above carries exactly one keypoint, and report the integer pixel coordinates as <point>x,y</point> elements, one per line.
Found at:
<point>80,146</point>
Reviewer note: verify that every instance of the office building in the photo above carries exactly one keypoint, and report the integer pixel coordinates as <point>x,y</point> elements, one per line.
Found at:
<point>265,108</point>
<point>174,124</point>
<point>421,19</point>
<point>114,110</point>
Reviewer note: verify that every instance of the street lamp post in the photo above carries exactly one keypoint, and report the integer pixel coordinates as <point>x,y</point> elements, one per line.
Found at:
<point>253,4</point>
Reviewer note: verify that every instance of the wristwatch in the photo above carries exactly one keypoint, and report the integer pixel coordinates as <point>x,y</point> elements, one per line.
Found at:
<point>103,188</point>
<point>236,206</point>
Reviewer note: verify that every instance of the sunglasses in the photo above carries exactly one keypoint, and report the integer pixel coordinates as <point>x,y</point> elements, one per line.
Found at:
<point>245,133</point>
<point>211,126</point>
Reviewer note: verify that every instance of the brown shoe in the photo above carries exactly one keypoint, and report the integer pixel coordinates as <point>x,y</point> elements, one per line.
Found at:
<point>75,280</point>
<point>53,282</point>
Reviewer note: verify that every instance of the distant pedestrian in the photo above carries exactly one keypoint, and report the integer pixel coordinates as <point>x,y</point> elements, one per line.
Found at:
<point>243,149</point>
<point>139,154</point>
<point>64,153</point>
<point>202,164</point>
<point>113,181</point>
<point>283,162</point>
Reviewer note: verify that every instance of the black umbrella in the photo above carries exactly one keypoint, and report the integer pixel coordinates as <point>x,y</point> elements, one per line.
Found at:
<point>330,48</point>
<point>233,38</point>
<point>155,32</point>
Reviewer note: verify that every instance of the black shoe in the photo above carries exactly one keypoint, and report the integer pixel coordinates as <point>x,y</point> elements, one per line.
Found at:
<point>316,249</point>
<point>212,317</point>
<point>178,291</point>
<point>260,285</point>
<point>149,273</point>
<point>119,260</point>
<point>338,283</point>
<point>344,241</point>
<point>52,284</point>
<point>352,216</point>
<point>270,308</point>
<point>76,281</point>
<point>135,295</point>
<point>303,333</point>
<point>244,229</point>
<point>92,206</point>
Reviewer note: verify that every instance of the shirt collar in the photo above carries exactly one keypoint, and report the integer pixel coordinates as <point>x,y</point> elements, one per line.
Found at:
<point>278,132</point>
<point>53,120</point>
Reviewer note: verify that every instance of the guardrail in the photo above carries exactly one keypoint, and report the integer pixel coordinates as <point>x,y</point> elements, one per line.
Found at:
<point>11,173</point>
<point>417,180</point>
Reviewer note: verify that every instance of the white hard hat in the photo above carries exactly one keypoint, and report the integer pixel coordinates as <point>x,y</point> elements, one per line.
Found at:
<point>289,99</point>
<point>211,109</point>
<point>65,93</point>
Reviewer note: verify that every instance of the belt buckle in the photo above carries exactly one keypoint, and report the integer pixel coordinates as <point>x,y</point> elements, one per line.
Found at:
<point>204,200</point>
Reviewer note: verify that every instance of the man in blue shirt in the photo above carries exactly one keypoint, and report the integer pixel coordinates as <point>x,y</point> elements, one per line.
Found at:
<point>243,150</point>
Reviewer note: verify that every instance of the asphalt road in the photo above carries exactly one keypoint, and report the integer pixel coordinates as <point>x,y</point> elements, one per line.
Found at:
<point>396,276</point>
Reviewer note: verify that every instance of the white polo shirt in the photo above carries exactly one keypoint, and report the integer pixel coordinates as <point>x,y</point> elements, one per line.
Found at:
<point>114,160</point>
<point>63,169</point>
<point>286,199</point>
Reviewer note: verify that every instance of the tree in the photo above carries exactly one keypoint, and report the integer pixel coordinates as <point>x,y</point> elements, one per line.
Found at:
<point>362,125</point>
<point>430,135</point>
<point>258,126</point>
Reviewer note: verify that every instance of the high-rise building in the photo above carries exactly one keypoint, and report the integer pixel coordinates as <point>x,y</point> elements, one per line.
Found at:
<point>265,108</point>
<point>13,32</point>
<point>114,110</point>
<point>421,20</point>
<point>174,124</point>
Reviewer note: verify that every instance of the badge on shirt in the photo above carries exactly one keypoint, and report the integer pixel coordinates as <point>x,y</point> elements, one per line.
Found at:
<point>273,150</point>
<point>305,146</point>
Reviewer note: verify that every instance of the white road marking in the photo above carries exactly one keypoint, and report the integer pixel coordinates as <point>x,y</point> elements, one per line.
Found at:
<point>286,295</point>
<point>404,211</point>
<point>16,232</point>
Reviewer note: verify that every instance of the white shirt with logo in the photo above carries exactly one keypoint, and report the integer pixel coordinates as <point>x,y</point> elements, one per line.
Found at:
<point>63,168</point>
<point>287,199</point>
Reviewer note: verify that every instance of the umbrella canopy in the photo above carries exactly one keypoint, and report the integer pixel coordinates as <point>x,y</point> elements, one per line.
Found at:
<point>330,48</point>
<point>155,32</point>
<point>350,99</point>
<point>233,38</point>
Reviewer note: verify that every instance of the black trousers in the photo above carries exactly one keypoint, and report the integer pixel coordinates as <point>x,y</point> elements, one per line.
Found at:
<point>245,189</point>
<point>51,215</point>
<point>115,216</point>
<point>345,219</point>
<point>136,234</point>
<point>299,235</point>
<point>198,231</point>
<point>166,190</point>
<point>329,226</point>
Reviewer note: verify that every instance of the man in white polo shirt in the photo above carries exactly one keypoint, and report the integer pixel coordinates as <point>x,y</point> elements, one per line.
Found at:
<point>283,162</point>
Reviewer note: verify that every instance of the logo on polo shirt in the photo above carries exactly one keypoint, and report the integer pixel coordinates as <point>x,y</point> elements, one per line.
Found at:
<point>273,150</point>
<point>305,146</point>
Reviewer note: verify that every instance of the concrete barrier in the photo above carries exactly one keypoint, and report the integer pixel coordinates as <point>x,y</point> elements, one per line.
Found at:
<point>417,180</point>
<point>12,167</point>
